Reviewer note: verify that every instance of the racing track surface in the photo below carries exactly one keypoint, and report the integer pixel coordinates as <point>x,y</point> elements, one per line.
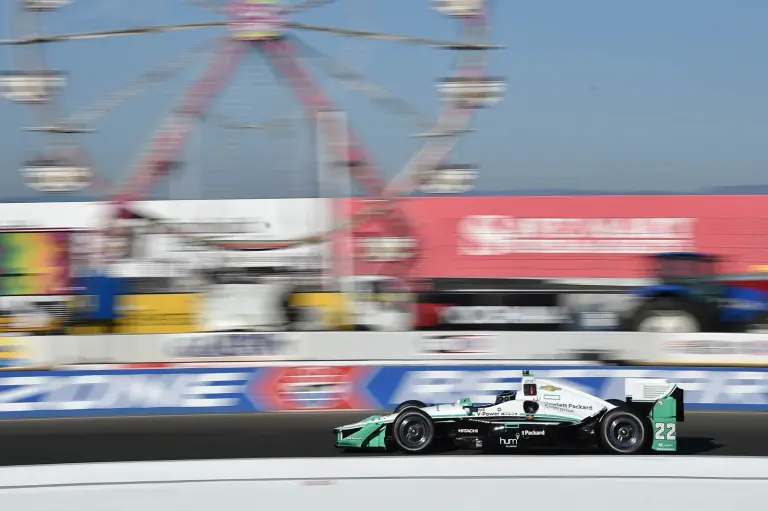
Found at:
<point>293,434</point>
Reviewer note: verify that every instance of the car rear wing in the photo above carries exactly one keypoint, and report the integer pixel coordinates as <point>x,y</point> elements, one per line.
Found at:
<point>658,392</point>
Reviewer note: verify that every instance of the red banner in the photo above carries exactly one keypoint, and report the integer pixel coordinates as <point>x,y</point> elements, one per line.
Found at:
<point>561,237</point>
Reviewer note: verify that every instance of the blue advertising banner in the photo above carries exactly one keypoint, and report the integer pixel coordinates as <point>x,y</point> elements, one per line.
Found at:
<point>71,393</point>
<point>125,392</point>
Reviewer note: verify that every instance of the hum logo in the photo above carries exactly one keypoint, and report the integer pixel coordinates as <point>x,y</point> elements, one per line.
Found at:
<point>510,442</point>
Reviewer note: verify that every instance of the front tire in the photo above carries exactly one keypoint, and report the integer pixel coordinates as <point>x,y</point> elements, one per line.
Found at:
<point>623,432</point>
<point>413,431</point>
<point>407,404</point>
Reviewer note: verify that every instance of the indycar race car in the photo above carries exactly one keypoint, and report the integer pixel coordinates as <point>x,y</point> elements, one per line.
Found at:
<point>543,414</point>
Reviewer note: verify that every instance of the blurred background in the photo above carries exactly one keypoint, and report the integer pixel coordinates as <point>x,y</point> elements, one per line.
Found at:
<point>201,174</point>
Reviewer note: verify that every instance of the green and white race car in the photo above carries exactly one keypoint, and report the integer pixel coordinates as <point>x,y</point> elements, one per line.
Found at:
<point>542,414</point>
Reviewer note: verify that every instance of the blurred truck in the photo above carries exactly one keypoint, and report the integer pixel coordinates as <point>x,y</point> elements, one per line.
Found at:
<point>690,296</point>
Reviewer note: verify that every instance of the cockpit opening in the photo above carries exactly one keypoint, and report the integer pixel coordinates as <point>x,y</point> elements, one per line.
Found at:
<point>507,395</point>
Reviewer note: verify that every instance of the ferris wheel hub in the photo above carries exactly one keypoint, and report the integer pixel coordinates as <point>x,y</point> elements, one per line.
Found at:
<point>256,20</point>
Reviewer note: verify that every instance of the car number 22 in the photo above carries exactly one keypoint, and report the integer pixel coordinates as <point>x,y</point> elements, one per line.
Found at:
<point>666,431</point>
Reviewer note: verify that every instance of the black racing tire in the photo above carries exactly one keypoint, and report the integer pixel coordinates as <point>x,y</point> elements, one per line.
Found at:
<point>617,402</point>
<point>407,404</point>
<point>623,432</point>
<point>696,312</point>
<point>413,431</point>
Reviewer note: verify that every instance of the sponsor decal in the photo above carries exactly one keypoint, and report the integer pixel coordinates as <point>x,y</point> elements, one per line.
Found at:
<point>509,442</point>
<point>467,431</point>
<point>312,388</point>
<point>567,407</point>
<point>551,397</point>
<point>557,406</point>
<point>550,388</point>
<point>82,393</point>
<point>453,344</point>
<point>496,412</point>
<point>229,345</point>
<point>502,315</point>
<point>534,432</point>
<point>552,237</point>
<point>490,311</point>
<point>717,347</point>
<point>500,235</point>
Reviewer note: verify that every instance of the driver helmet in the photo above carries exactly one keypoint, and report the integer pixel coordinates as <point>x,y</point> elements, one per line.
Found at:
<point>504,396</point>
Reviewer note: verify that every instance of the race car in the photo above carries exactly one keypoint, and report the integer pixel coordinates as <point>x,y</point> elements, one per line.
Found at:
<point>541,414</point>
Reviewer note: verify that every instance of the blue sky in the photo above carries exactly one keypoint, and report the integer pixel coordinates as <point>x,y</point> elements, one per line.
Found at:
<point>653,95</point>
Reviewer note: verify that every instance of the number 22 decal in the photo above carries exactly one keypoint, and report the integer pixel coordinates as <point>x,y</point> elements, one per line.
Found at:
<point>666,431</point>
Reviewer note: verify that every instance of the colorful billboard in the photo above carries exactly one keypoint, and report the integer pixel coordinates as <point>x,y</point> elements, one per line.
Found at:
<point>566,237</point>
<point>34,263</point>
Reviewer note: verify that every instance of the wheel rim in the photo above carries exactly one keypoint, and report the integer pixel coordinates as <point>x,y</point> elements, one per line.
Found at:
<point>624,433</point>
<point>413,432</point>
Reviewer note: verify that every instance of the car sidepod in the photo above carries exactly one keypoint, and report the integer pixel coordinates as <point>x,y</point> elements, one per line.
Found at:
<point>504,435</point>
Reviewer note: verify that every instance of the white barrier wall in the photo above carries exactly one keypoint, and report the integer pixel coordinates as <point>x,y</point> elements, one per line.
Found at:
<point>54,351</point>
<point>640,348</point>
<point>381,483</point>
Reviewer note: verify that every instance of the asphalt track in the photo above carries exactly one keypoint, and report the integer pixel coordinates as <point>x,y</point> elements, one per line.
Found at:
<point>279,435</point>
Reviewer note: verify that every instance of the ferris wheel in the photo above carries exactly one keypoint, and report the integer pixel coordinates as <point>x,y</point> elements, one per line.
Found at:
<point>267,27</point>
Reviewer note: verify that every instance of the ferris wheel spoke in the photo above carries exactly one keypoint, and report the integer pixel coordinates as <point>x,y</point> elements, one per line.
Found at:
<point>170,140</point>
<point>110,33</point>
<point>456,116</point>
<point>357,82</point>
<point>76,123</point>
<point>345,149</point>
<point>364,34</point>
<point>283,58</point>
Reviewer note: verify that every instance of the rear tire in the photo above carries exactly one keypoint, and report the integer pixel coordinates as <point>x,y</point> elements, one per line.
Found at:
<point>623,432</point>
<point>413,431</point>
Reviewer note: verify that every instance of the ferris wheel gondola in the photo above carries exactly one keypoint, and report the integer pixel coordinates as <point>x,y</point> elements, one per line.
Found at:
<point>266,27</point>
